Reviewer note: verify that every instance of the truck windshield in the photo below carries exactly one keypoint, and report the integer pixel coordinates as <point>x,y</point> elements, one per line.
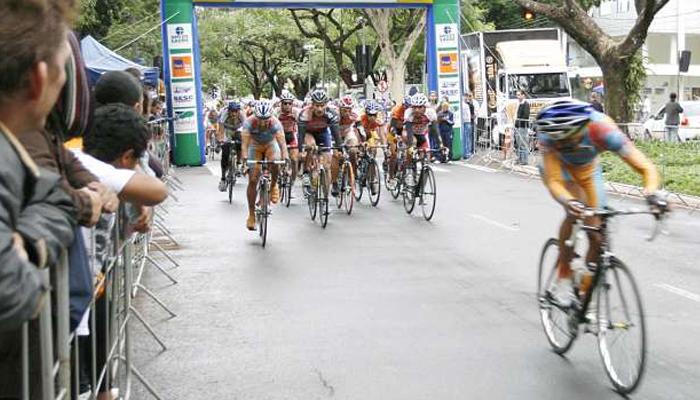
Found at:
<point>539,85</point>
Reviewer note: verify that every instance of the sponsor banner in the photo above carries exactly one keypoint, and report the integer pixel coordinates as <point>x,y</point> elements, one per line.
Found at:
<point>448,63</point>
<point>183,94</point>
<point>447,35</point>
<point>185,121</point>
<point>300,3</point>
<point>180,36</point>
<point>181,66</point>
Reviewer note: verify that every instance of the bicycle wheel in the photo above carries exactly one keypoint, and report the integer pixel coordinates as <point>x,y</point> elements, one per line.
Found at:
<point>323,197</point>
<point>559,325</point>
<point>339,182</point>
<point>229,182</point>
<point>288,189</point>
<point>428,194</point>
<point>409,189</point>
<point>347,188</point>
<point>359,180</point>
<point>374,183</point>
<point>621,328</point>
<point>263,213</point>
<point>312,200</point>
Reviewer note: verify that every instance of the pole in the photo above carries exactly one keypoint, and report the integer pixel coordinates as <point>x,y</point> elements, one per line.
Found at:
<point>323,71</point>
<point>309,76</point>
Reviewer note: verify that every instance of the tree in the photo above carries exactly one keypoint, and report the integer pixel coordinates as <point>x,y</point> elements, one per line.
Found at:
<point>619,59</point>
<point>396,41</point>
<point>338,37</point>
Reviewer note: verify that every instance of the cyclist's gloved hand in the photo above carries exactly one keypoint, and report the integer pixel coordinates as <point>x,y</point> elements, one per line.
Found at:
<point>575,207</point>
<point>657,203</point>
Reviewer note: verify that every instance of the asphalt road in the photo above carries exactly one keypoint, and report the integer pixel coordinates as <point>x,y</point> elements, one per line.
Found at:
<point>383,305</point>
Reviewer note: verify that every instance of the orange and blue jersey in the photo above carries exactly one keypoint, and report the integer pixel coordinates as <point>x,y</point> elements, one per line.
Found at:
<point>579,164</point>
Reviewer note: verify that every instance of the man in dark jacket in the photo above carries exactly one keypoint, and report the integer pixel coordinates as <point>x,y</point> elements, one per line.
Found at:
<point>36,221</point>
<point>522,126</point>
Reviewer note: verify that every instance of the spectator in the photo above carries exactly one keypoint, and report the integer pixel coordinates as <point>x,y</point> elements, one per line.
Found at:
<point>433,99</point>
<point>522,127</point>
<point>646,108</point>
<point>36,216</point>
<point>445,119</point>
<point>596,102</point>
<point>672,111</point>
<point>468,111</point>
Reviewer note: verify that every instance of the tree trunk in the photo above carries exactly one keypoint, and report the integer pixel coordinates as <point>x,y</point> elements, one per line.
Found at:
<point>616,103</point>
<point>396,75</point>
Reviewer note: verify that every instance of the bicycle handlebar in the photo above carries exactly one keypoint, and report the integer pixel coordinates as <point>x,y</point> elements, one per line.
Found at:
<point>659,216</point>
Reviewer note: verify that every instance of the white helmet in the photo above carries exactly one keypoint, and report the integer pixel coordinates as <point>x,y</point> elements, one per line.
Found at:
<point>418,100</point>
<point>263,109</point>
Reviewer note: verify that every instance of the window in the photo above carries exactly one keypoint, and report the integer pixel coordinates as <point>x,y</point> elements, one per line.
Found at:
<point>539,85</point>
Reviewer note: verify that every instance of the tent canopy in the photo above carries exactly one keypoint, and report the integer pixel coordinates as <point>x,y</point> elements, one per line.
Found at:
<point>100,59</point>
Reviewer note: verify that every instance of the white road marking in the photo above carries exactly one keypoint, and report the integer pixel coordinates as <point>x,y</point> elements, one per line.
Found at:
<point>679,291</point>
<point>495,223</point>
<point>478,167</point>
<point>440,169</point>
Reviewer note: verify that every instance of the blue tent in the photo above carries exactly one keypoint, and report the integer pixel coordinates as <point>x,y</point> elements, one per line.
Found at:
<point>100,59</point>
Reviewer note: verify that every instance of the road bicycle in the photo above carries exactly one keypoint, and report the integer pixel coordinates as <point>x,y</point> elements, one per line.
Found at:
<point>262,202</point>
<point>399,173</point>
<point>368,175</point>
<point>617,314</point>
<point>285,183</point>
<point>317,191</point>
<point>418,182</point>
<point>345,181</point>
<point>233,170</point>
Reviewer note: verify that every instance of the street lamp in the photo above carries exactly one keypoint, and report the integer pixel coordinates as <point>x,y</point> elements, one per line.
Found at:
<point>308,48</point>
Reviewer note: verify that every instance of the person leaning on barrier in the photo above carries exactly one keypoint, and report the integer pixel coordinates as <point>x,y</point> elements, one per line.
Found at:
<point>36,221</point>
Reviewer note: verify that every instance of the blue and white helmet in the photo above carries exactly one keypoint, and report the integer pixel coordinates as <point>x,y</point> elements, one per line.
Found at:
<point>372,107</point>
<point>407,100</point>
<point>562,119</point>
<point>263,109</point>
<point>418,100</point>
<point>319,96</point>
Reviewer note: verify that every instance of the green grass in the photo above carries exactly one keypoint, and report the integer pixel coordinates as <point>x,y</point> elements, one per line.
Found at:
<point>678,164</point>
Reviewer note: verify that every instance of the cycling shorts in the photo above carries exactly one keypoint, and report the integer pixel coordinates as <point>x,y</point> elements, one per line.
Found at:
<point>584,182</point>
<point>268,151</point>
<point>322,139</point>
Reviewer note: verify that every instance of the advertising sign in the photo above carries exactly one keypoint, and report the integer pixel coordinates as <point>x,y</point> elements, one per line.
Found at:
<point>447,35</point>
<point>180,36</point>
<point>185,121</point>
<point>181,66</point>
<point>448,63</point>
<point>183,95</point>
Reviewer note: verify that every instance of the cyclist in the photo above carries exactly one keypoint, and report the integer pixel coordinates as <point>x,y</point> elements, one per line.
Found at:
<point>349,122</point>
<point>571,134</point>
<point>372,124</point>
<point>287,115</point>
<point>394,133</point>
<point>263,138</point>
<point>318,124</point>
<point>229,130</point>
<point>419,123</point>
<point>212,126</point>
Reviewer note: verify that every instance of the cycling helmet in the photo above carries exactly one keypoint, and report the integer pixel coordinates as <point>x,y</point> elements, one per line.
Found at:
<point>372,108</point>
<point>286,96</point>
<point>319,96</point>
<point>562,119</point>
<point>346,102</point>
<point>234,106</point>
<point>263,109</point>
<point>418,100</point>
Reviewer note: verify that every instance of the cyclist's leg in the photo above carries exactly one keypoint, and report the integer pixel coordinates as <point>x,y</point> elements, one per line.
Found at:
<point>255,152</point>
<point>326,141</point>
<point>590,179</point>
<point>309,141</point>
<point>225,162</point>
<point>272,152</point>
<point>352,142</point>
<point>294,157</point>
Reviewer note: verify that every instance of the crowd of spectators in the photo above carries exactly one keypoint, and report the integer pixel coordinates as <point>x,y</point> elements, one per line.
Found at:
<point>70,157</point>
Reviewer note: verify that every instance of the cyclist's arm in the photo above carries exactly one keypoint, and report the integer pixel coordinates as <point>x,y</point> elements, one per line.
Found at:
<point>553,178</point>
<point>282,142</point>
<point>245,142</point>
<point>640,163</point>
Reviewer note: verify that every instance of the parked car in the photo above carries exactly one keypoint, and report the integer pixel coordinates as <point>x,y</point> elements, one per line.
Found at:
<point>689,128</point>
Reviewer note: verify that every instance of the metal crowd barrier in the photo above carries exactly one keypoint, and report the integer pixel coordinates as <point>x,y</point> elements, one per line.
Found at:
<point>498,148</point>
<point>60,350</point>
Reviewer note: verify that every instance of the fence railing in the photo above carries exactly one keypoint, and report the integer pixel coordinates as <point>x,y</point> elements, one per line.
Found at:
<point>513,149</point>
<point>63,358</point>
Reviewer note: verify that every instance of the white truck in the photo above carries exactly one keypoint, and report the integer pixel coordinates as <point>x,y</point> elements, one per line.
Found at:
<point>496,64</point>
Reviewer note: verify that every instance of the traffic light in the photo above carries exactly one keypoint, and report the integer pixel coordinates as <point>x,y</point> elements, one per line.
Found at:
<point>528,15</point>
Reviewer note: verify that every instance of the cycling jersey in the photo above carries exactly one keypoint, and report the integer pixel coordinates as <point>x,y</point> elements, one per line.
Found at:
<point>579,164</point>
<point>262,135</point>
<point>419,125</point>
<point>232,121</point>
<point>348,122</point>
<point>289,125</point>
<point>322,127</point>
